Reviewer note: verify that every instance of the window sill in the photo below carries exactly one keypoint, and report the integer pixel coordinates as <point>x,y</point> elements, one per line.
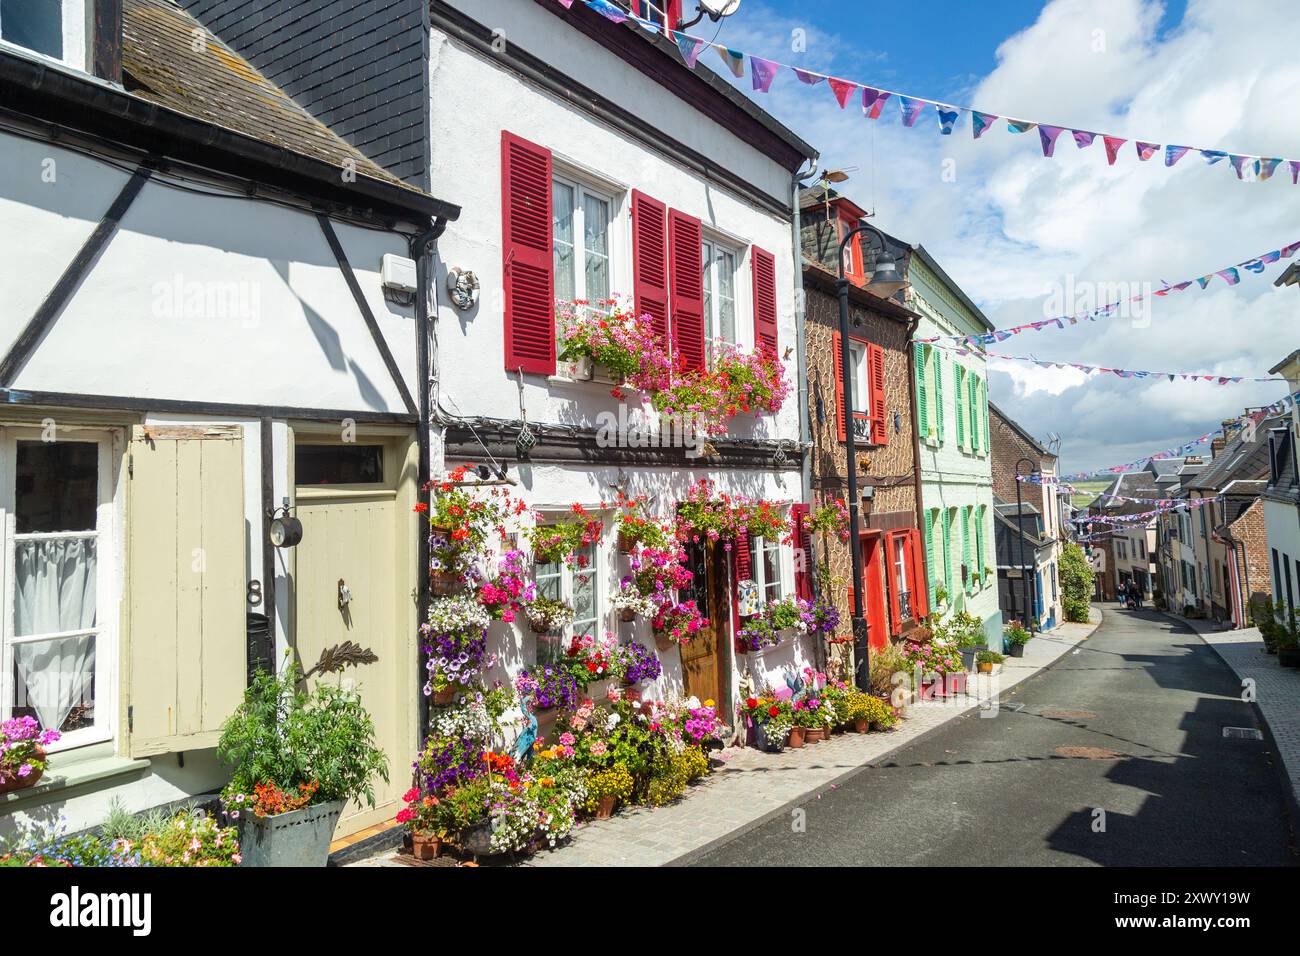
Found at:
<point>71,773</point>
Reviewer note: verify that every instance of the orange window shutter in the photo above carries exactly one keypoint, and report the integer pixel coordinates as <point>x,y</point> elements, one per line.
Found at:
<point>876,364</point>
<point>839,385</point>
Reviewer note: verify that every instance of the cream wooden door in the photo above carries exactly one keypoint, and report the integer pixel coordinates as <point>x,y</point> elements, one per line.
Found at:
<point>355,502</point>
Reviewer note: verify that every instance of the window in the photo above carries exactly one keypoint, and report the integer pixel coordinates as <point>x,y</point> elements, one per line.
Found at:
<point>338,464</point>
<point>766,557</point>
<point>720,286</point>
<point>578,584</point>
<point>59,643</point>
<point>53,28</point>
<point>580,234</point>
<point>899,574</point>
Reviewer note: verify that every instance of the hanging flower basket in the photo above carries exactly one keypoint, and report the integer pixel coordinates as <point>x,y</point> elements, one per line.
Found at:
<point>445,583</point>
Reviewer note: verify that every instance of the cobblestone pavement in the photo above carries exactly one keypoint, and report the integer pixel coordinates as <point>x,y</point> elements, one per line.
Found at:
<point>1276,688</point>
<point>748,786</point>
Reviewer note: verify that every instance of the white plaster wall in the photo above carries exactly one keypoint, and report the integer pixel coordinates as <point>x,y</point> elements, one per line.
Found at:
<point>466,146</point>
<point>1283,528</point>
<point>272,322</point>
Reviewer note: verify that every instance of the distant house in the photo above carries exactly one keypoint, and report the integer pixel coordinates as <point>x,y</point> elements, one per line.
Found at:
<point>1123,559</point>
<point>1281,495</point>
<point>1028,590</point>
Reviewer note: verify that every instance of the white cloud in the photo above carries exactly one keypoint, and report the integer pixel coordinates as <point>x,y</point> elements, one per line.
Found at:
<point>1014,223</point>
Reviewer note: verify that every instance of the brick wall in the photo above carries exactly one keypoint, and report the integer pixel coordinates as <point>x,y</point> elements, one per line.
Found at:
<point>1250,529</point>
<point>888,469</point>
<point>1009,446</point>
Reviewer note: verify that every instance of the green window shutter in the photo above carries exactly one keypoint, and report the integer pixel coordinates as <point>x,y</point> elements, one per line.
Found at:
<point>918,360</point>
<point>930,517</point>
<point>961,406</point>
<point>946,519</point>
<point>938,395</point>
<point>984,410</point>
<point>972,399</point>
<point>965,547</point>
<point>979,541</point>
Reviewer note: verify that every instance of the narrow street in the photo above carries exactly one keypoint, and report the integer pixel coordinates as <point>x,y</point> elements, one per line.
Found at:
<point>1146,697</point>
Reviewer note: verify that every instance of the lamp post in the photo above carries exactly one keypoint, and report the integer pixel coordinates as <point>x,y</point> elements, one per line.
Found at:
<point>1031,603</point>
<point>885,281</point>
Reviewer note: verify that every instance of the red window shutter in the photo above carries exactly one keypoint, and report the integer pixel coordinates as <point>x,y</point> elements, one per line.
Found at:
<point>673,13</point>
<point>839,385</point>
<point>803,556</point>
<point>687,286</point>
<point>876,374</point>
<point>528,259</point>
<point>740,557</point>
<point>917,587</point>
<point>650,260</point>
<point>763,270</point>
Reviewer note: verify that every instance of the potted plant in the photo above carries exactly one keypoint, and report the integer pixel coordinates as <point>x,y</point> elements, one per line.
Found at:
<point>987,660</point>
<point>22,753</point>
<point>429,820</point>
<point>565,539</point>
<point>454,641</point>
<point>606,788</point>
<point>548,615</point>
<point>635,527</point>
<point>757,633</point>
<point>606,345</point>
<point>462,522</point>
<point>864,710</point>
<point>545,691</point>
<point>677,624</point>
<point>296,758</point>
<point>1016,638</point>
<point>635,663</point>
<point>631,603</point>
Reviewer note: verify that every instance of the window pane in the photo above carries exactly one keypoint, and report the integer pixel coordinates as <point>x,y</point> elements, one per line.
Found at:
<point>726,296</point>
<point>595,243</point>
<point>585,595</point>
<point>56,486</point>
<point>54,585</point>
<point>54,681</point>
<point>338,464</point>
<point>562,240</point>
<point>35,24</point>
<point>772,569</point>
<point>547,578</point>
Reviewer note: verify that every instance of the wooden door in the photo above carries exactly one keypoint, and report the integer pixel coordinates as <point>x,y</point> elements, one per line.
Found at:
<point>705,658</point>
<point>874,580</point>
<point>355,504</point>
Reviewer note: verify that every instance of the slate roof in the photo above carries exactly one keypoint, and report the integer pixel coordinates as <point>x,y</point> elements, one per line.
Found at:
<point>1239,459</point>
<point>220,87</point>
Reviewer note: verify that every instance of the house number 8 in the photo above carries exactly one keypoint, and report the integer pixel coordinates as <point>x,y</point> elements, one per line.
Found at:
<point>254,593</point>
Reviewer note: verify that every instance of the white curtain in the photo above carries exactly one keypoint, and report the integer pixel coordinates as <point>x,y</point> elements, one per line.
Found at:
<point>54,592</point>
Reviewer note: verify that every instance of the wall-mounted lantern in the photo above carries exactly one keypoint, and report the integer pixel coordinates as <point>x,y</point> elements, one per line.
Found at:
<point>285,530</point>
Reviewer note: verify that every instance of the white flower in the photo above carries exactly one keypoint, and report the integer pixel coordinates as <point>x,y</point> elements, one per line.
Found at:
<point>612,722</point>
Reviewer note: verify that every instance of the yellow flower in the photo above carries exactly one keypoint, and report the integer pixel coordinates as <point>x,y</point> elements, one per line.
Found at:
<point>709,702</point>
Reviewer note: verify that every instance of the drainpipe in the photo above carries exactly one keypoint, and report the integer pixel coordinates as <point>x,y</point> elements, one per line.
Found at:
<point>421,248</point>
<point>919,505</point>
<point>801,343</point>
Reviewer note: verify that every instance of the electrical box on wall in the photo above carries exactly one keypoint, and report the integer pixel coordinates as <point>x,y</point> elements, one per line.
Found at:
<point>398,273</point>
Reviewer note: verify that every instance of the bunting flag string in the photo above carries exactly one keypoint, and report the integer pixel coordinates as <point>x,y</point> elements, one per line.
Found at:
<point>1065,486</point>
<point>1231,275</point>
<point>1118,372</point>
<point>1142,516</point>
<point>1184,449</point>
<point>1248,167</point>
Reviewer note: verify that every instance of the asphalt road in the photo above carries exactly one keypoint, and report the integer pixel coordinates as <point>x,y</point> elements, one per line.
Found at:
<point>998,791</point>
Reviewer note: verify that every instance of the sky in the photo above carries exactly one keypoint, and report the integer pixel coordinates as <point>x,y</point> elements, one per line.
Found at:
<point>1016,230</point>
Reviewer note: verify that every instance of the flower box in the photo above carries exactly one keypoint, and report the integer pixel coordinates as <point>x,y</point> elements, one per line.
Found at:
<point>298,838</point>
<point>586,369</point>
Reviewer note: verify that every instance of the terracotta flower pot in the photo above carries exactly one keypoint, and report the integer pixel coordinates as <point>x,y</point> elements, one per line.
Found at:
<point>663,641</point>
<point>10,784</point>
<point>441,698</point>
<point>814,735</point>
<point>538,628</point>
<point>627,615</point>
<point>861,725</point>
<point>796,738</point>
<point>625,543</point>
<point>445,583</point>
<point>605,807</point>
<point>425,846</point>
<point>985,667</point>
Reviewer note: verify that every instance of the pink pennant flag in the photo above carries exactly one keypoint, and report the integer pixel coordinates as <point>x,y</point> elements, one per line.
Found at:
<point>1286,252</point>
<point>1174,153</point>
<point>763,72</point>
<point>1295,170</point>
<point>567,4</point>
<point>843,89</point>
<point>1264,169</point>
<point>1230,275</point>
<point>1113,143</point>
<point>873,101</point>
<point>1238,163</point>
<point>1145,150</point>
<point>979,122</point>
<point>1082,138</point>
<point>690,48</point>
<point>806,76</point>
<point>1048,135</point>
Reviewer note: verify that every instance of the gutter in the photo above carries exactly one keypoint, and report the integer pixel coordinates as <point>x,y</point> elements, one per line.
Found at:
<point>801,343</point>
<point>916,437</point>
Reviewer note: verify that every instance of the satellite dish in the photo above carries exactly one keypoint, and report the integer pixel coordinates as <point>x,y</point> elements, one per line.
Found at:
<point>717,9</point>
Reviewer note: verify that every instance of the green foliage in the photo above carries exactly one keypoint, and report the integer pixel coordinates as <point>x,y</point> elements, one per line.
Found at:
<point>989,657</point>
<point>1016,634</point>
<point>1076,583</point>
<point>884,665</point>
<point>962,629</point>
<point>286,736</point>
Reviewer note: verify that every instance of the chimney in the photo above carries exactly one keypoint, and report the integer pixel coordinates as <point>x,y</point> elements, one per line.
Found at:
<point>106,42</point>
<point>1216,447</point>
<point>1231,429</point>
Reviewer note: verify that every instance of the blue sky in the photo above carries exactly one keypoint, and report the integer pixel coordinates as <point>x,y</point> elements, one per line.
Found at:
<point>1012,227</point>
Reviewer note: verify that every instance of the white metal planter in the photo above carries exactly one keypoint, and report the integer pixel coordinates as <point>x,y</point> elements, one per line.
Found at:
<point>299,838</point>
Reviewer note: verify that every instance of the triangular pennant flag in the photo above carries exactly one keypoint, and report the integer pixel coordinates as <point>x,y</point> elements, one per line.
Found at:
<point>608,10</point>
<point>873,101</point>
<point>843,90</point>
<point>1144,150</point>
<point>568,4</point>
<point>690,48</point>
<point>735,60</point>
<point>1174,153</point>
<point>1230,275</point>
<point>1048,136</point>
<point>1113,143</point>
<point>947,118</point>
<point>805,76</point>
<point>1082,137</point>
<point>1238,162</point>
<point>763,72</point>
<point>979,122</point>
<point>1203,281</point>
<point>1286,252</point>
<point>910,108</point>
<point>1269,258</point>
<point>1254,265</point>
<point>1295,170</point>
<point>1212,156</point>
<point>1266,166</point>
<point>1019,126</point>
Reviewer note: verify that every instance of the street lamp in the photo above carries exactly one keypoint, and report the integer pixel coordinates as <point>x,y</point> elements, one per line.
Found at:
<point>1030,603</point>
<point>884,281</point>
